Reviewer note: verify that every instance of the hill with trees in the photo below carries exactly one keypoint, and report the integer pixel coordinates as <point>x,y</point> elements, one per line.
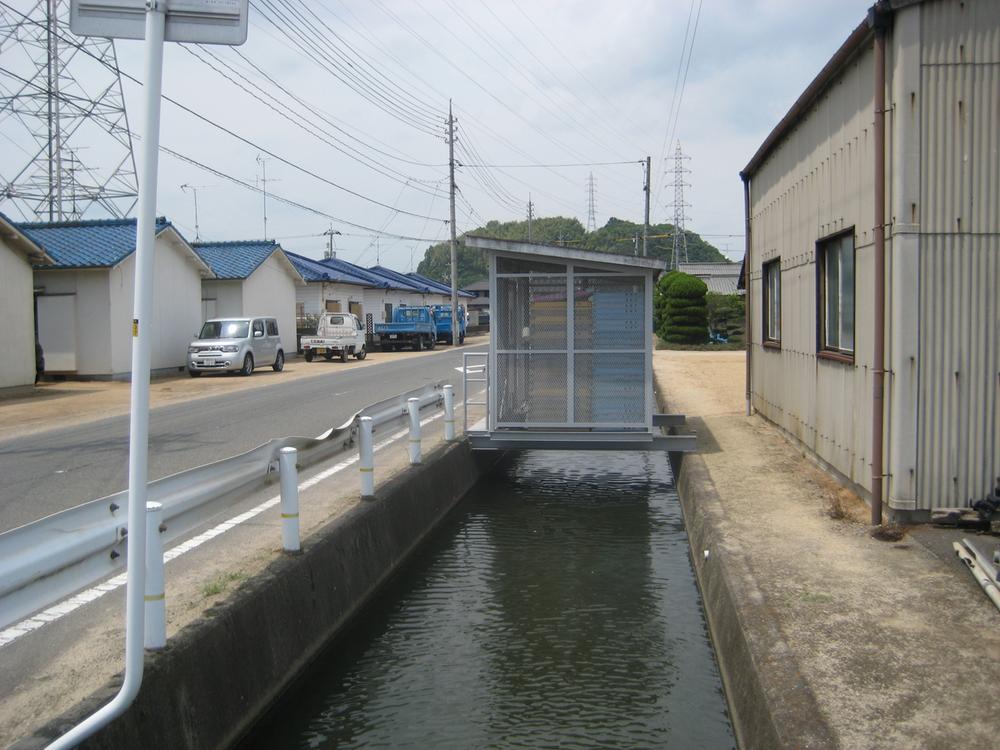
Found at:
<point>617,236</point>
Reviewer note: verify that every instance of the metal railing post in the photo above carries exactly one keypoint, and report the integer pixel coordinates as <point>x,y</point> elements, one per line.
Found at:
<point>366,462</point>
<point>155,628</point>
<point>289,475</point>
<point>413,407</point>
<point>449,413</point>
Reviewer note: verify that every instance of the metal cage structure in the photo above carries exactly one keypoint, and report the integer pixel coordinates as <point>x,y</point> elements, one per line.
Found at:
<point>571,343</point>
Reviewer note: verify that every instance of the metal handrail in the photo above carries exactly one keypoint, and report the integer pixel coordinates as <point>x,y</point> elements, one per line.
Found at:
<point>466,401</point>
<point>49,559</point>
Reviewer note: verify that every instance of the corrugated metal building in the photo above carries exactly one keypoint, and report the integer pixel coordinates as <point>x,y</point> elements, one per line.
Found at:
<point>813,194</point>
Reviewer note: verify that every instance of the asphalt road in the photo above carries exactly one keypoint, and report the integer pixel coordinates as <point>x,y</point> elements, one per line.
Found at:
<point>44,473</point>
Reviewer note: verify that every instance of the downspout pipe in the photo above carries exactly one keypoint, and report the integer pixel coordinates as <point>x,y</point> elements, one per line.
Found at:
<point>879,19</point>
<point>747,328</point>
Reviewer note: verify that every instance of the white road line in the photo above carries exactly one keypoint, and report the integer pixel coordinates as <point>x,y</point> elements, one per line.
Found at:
<point>53,613</point>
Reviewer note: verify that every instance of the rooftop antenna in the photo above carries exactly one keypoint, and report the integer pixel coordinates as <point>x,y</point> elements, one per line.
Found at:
<point>194,190</point>
<point>263,180</point>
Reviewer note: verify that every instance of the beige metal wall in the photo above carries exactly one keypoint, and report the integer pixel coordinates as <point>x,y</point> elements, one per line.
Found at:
<point>816,183</point>
<point>958,413</point>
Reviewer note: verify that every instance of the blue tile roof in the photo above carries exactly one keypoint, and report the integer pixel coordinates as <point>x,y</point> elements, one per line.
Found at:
<point>333,271</point>
<point>440,285</point>
<point>401,281</point>
<point>101,243</point>
<point>235,260</point>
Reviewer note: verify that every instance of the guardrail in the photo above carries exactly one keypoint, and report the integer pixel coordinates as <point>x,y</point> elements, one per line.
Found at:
<point>49,559</point>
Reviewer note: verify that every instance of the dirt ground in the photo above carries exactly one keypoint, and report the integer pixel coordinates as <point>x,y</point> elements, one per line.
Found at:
<point>894,642</point>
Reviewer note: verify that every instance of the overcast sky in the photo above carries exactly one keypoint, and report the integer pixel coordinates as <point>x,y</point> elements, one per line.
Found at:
<point>545,82</point>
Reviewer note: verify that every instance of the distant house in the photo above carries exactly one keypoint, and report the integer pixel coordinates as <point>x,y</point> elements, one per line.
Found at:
<point>479,307</point>
<point>442,287</point>
<point>721,278</point>
<point>412,291</point>
<point>251,277</point>
<point>333,285</point>
<point>85,296</point>
<point>17,305</point>
<point>833,206</point>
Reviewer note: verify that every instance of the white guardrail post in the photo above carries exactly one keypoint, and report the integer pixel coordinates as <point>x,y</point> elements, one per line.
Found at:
<point>155,627</point>
<point>366,462</point>
<point>289,477</point>
<point>449,413</point>
<point>413,406</point>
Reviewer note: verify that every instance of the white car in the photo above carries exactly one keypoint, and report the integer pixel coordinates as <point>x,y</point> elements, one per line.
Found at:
<point>236,345</point>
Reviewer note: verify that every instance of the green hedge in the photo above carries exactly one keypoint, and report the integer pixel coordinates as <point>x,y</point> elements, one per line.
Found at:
<point>680,313</point>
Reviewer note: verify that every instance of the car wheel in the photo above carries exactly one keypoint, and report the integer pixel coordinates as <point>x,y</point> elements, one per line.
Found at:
<point>343,354</point>
<point>279,362</point>
<point>247,366</point>
<point>194,373</point>
<point>432,342</point>
<point>361,353</point>
<point>309,355</point>
<point>418,344</point>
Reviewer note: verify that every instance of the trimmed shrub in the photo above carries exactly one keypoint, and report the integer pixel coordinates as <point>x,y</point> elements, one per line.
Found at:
<point>681,315</point>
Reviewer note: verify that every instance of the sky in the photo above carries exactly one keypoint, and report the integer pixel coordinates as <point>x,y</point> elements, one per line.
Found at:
<point>343,105</point>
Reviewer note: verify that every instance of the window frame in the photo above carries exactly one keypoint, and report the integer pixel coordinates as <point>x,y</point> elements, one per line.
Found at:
<point>768,266</point>
<point>824,350</point>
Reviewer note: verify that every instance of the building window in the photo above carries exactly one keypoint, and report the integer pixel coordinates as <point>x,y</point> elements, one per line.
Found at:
<point>771,280</point>
<point>835,264</point>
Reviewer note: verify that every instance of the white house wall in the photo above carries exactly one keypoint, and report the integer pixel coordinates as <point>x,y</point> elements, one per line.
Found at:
<point>176,307</point>
<point>270,291</point>
<point>227,293</point>
<point>816,183</point>
<point>17,365</point>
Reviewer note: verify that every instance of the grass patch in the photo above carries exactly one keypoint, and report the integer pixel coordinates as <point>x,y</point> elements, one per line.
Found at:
<point>220,583</point>
<point>811,598</point>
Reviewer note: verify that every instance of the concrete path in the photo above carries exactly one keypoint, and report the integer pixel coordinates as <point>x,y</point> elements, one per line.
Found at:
<point>830,638</point>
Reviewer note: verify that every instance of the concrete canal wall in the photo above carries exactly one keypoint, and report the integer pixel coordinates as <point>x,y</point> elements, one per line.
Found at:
<point>222,672</point>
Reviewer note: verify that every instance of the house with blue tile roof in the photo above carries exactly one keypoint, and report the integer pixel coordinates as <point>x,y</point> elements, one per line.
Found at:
<point>440,285</point>
<point>17,305</point>
<point>85,296</point>
<point>333,285</point>
<point>251,277</point>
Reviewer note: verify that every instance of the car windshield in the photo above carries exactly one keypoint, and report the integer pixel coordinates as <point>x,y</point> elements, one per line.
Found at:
<point>225,329</point>
<point>336,320</point>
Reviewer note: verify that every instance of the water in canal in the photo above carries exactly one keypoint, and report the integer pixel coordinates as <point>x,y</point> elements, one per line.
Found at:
<point>555,607</point>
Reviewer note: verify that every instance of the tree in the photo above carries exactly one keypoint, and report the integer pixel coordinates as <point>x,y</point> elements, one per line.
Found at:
<point>683,310</point>
<point>726,315</point>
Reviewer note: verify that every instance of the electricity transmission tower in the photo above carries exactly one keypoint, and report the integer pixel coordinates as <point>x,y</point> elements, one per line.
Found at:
<point>679,253</point>
<point>67,144</point>
<point>591,205</point>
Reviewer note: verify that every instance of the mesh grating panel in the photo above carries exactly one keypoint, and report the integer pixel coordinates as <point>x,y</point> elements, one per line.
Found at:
<point>531,388</point>
<point>531,313</point>
<point>610,388</point>
<point>609,313</point>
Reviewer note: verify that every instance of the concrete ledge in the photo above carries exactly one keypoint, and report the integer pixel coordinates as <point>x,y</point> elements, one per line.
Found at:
<point>221,673</point>
<point>770,704</point>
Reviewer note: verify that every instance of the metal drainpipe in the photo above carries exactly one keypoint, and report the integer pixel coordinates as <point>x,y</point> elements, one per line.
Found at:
<point>747,330</point>
<point>878,18</point>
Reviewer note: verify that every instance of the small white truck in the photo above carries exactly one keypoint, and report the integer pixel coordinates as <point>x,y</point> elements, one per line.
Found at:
<point>337,335</point>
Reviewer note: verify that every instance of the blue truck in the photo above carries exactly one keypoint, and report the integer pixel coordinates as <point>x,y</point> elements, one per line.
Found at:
<point>410,326</point>
<point>442,320</point>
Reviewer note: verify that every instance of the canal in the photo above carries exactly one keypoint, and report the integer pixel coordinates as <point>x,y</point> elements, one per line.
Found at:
<point>555,606</point>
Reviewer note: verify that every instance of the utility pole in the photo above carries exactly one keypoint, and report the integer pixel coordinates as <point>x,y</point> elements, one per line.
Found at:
<point>454,249</point>
<point>531,215</point>
<point>331,249</point>
<point>645,223</point>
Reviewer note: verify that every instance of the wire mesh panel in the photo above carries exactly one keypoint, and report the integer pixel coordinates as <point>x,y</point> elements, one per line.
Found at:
<point>531,313</point>
<point>609,388</point>
<point>609,313</point>
<point>531,388</point>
